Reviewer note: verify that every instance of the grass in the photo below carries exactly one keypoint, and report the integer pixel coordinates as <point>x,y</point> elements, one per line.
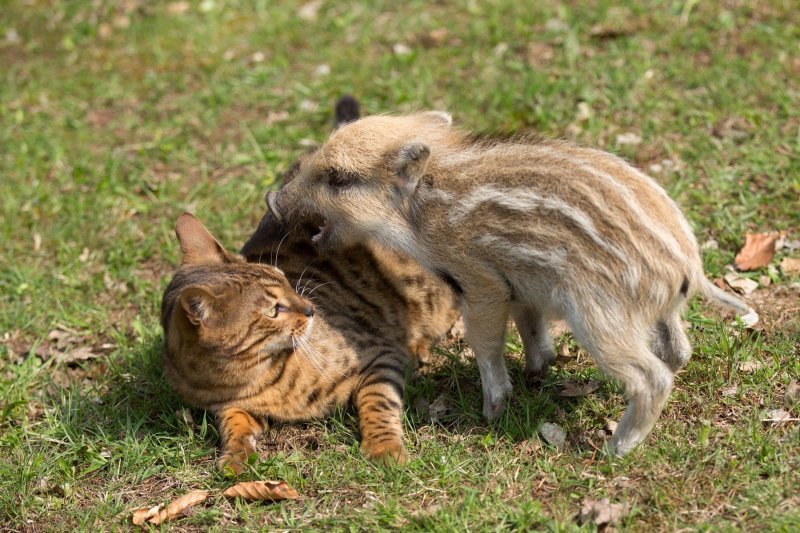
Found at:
<point>115,117</point>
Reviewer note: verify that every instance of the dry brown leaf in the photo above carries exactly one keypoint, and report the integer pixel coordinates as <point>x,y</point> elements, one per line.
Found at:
<point>601,512</point>
<point>270,491</point>
<point>790,264</point>
<point>178,8</point>
<point>739,284</point>
<point>750,366</point>
<point>81,353</point>
<point>792,392</point>
<point>310,10</point>
<point>572,389</point>
<point>160,513</point>
<point>539,54</point>
<point>758,250</point>
<point>140,516</point>
<point>778,416</point>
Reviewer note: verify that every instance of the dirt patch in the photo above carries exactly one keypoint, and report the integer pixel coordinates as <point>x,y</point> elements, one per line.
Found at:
<point>779,308</point>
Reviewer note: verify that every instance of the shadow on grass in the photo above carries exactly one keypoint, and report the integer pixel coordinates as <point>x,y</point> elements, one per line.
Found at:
<point>451,394</point>
<point>128,415</point>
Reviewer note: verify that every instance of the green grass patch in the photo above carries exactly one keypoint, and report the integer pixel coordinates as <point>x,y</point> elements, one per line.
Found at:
<point>117,116</point>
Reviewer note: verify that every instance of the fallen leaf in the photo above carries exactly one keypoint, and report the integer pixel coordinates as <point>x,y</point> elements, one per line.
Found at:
<point>161,513</point>
<point>610,426</point>
<point>81,353</point>
<point>758,250</point>
<point>750,366</point>
<point>433,38</point>
<point>572,389</point>
<point>177,8</point>
<point>601,512</point>
<point>790,264</point>
<point>539,54</point>
<point>529,447</point>
<point>584,112</point>
<point>730,391</point>
<point>309,10</point>
<point>778,416</point>
<point>553,434</point>
<point>46,486</point>
<point>602,31</point>
<point>629,138</point>
<point>140,516</point>
<point>734,128</point>
<point>792,391</point>
<point>262,490</point>
<point>739,284</point>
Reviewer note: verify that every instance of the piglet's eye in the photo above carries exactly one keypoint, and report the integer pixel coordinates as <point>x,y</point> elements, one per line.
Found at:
<point>339,180</point>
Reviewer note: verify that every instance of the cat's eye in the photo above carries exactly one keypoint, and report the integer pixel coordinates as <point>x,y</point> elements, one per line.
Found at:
<point>339,180</point>
<point>272,311</point>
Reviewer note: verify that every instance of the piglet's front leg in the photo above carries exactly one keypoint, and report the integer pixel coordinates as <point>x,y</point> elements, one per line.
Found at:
<point>485,324</point>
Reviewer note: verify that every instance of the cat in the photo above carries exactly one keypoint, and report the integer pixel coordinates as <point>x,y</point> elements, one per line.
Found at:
<point>365,313</point>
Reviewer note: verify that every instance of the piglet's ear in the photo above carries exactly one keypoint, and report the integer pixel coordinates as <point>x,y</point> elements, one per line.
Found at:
<point>411,164</point>
<point>439,117</point>
<point>198,303</point>
<point>197,244</point>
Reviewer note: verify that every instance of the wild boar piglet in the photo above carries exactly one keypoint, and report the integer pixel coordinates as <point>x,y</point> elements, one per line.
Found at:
<point>530,228</point>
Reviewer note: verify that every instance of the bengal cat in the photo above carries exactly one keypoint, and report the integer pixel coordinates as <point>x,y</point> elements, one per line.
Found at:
<point>243,344</point>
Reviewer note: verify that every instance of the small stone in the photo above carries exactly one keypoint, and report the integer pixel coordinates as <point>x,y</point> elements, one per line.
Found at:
<point>401,49</point>
<point>553,434</point>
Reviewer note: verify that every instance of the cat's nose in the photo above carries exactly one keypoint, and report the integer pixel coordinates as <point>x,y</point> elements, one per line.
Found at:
<point>308,310</point>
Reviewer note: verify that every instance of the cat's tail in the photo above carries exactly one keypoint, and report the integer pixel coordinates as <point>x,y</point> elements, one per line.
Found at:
<point>724,299</point>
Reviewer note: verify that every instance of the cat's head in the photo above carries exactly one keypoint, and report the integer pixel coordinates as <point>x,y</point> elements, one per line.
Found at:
<point>220,311</point>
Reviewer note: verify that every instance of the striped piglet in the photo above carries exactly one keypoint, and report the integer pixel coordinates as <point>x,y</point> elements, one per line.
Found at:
<point>528,228</point>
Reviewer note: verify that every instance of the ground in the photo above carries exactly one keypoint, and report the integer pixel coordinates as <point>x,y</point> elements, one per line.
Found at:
<point>115,117</point>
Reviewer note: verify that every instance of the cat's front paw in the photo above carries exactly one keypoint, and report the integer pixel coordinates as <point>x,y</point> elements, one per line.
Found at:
<point>233,463</point>
<point>388,453</point>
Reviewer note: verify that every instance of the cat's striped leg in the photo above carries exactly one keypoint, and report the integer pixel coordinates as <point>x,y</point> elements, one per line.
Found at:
<point>379,400</point>
<point>238,430</point>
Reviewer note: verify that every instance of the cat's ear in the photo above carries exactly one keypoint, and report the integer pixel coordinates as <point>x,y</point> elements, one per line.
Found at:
<point>197,244</point>
<point>198,302</point>
<point>410,166</point>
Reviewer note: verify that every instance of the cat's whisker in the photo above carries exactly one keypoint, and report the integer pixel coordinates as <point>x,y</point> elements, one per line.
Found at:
<point>317,287</point>
<point>278,251</point>
<point>305,286</point>
<point>314,352</point>
<point>296,285</point>
<point>302,349</point>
